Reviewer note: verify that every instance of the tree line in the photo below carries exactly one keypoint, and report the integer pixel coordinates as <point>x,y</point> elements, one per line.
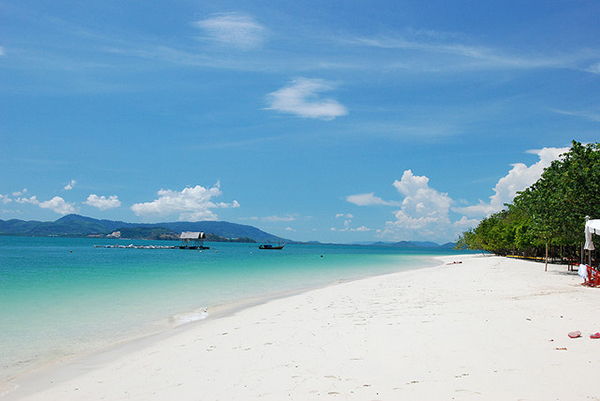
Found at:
<point>549,216</point>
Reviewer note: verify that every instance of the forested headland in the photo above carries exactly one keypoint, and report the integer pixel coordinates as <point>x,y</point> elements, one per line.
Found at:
<point>549,215</point>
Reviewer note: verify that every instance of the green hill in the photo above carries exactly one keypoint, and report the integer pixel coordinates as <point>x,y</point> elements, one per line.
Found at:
<point>74,225</point>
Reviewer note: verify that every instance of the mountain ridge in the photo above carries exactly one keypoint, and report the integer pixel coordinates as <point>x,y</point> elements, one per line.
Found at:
<point>82,226</point>
<point>74,225</point>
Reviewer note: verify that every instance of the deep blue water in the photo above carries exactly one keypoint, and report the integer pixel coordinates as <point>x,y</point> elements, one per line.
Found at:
<point>63,296</point>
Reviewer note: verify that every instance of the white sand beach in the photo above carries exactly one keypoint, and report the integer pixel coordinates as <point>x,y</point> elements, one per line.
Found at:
<point>489,328</point>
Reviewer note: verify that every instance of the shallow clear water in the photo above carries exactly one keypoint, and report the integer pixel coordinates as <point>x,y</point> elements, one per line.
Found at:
<point>62,296</point>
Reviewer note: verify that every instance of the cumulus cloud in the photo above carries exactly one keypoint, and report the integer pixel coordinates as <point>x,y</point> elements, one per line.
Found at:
<point>70,185</point>
<point>465,223</point>
<point>424,210</point>
<point>518,178</point>
<point>32,200</point>
<point>233,30</point>
<point>58,205</point>
<point>102,202</point>
<point>192,203</point>
<point>430,214</point>
<point>301,98</point>
<point>369,200</point>
<point>5,199</point>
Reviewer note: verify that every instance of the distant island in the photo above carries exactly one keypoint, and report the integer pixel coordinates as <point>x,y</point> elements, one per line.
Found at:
<point>74,225</point>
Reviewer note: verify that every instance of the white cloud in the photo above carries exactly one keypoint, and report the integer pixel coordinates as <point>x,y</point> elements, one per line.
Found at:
<point>347,222</point>
<point>587,114</point>
<point>192,203</point>
<point>272,219</point>
<point>58,205</point>
<point>70,185</point>
<point>288,217</point>
<point>465,223</point>
<point>5,199</point>
<point>19,193</point>
<point>594,68</point>
<point>518,178</point>
<point>369,200</point>
<point>33,200</point>
<point>2,53</point>
<point>347,216</point>
<point>233,30</point>
<point>102,202</point>
<point>301,97</point>
<point>437,51</point>
<point>426,213</point>
<point>424,210</point>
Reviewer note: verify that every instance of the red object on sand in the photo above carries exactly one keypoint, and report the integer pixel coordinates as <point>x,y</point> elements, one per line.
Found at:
<point>575,334</point>
<point>595,335</point>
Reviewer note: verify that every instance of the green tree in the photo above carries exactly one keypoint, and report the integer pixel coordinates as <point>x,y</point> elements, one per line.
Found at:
<point>551,212</point>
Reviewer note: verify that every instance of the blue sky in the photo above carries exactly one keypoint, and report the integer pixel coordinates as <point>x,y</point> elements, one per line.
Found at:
<point>334,121</point>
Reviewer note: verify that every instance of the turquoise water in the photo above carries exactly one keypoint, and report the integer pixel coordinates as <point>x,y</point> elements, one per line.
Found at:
<point>63,296</point>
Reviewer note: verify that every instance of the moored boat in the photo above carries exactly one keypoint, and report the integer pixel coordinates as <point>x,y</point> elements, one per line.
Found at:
<point>269,246</point>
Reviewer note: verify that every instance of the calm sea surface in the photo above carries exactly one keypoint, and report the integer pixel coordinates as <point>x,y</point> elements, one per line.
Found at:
<point>63,296</point>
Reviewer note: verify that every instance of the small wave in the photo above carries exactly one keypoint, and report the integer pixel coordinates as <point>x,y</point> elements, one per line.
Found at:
<point>194,316</point>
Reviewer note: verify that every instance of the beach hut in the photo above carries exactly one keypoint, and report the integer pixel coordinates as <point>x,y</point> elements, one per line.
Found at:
<point>192,240</point>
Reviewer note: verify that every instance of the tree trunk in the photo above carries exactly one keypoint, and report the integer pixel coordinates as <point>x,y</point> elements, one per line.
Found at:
<point>546,268</point>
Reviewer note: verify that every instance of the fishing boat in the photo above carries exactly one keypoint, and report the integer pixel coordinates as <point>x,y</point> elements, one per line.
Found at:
<point>269,246</point>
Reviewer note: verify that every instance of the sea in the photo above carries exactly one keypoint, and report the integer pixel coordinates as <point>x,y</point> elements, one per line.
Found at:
<point>64,297</point>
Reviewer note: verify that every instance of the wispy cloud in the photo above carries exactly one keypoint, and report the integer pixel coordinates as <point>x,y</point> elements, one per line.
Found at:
<point>301,98</point>
<point>273,218</point>
<point>233,29</point>
<point>2,53</point>
<point>369,200</point>
<point>594,68</point>
<point>588,115</point>
<point>450,51</point>
<point>288,217</point>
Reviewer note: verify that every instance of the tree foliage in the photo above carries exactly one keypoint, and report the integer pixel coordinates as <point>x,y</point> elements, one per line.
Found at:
<point>552,211</point>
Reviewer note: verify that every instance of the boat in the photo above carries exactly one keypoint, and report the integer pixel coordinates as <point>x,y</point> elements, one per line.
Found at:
<point>269,246</point>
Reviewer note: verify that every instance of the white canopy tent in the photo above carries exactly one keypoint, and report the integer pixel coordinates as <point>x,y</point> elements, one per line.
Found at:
<point>591,227</point>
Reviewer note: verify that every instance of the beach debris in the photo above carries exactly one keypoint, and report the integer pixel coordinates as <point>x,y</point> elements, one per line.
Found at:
<point>561,349</point>
<point>595,335</point>
<point>575,334</point>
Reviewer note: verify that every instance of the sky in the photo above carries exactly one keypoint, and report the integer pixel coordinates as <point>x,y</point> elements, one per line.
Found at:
<point>335,121</point>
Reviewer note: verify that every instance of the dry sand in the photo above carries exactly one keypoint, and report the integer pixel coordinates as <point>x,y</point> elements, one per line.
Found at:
<point>489,328</point>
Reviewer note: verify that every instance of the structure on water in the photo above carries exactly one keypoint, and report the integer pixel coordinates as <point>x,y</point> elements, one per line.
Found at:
<point>192,240</point>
